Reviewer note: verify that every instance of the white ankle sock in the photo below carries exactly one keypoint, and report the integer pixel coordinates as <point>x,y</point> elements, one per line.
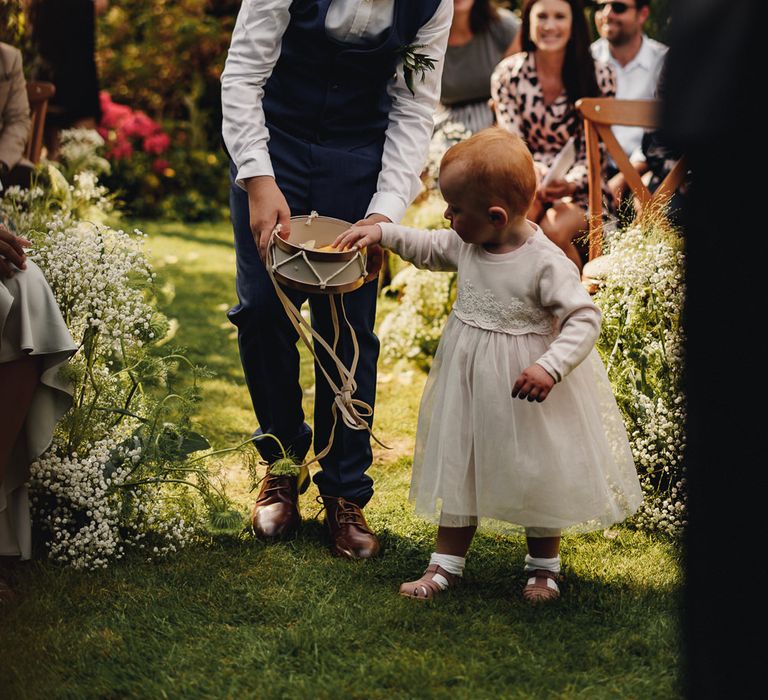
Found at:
<point>452,564</point>
<point>548,564</point>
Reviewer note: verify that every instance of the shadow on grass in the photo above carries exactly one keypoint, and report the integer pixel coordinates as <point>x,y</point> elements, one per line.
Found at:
<point>239,616</point>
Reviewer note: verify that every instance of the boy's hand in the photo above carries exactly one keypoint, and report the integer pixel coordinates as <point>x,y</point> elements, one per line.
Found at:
<point>268,208</point>
<point>533,384</point>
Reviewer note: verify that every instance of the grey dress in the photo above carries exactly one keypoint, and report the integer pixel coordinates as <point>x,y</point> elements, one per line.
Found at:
<point>30,324</point>
<point>466,83</point>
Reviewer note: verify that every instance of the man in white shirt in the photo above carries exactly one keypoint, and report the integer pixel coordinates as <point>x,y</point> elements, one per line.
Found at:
<point>637,60</point>
<point>317,115</point>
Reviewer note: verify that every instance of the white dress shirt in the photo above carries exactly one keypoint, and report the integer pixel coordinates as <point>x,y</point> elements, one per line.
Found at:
<point>254,51</point>
<point>635,81</point>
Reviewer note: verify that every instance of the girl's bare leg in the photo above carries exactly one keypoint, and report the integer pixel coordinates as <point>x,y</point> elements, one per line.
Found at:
<point>454,540</point>
<point>543,547</point>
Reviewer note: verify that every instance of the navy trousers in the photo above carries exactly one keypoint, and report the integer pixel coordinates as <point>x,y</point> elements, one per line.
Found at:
<point>334,184</point>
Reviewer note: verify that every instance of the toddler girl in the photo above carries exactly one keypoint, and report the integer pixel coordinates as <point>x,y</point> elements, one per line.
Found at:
<point>517,422</point>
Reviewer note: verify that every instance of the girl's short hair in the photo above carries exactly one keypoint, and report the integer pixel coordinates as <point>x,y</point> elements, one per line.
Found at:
<point>500,165</point>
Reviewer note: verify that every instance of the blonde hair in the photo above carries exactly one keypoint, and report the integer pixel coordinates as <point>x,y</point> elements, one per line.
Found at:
<point>501,166</point>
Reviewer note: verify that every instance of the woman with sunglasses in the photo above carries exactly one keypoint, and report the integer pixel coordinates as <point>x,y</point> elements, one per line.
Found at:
<point>534,94</point>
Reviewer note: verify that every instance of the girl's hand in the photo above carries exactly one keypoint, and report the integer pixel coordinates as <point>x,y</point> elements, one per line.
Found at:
<point>374,254</point>
<point>533,384</point>
<point>11,252</point>
<point>359,236</point>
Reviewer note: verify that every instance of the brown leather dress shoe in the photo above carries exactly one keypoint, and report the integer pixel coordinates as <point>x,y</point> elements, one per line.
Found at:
<point>350,535</point>
<point>275,514</point>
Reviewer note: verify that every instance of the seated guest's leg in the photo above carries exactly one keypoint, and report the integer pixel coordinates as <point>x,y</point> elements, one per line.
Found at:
<point>563,222</point>
<point>20,175</point>
<point>19,380</point>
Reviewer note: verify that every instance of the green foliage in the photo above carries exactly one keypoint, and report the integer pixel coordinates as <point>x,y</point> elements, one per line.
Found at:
<point>166,58</point>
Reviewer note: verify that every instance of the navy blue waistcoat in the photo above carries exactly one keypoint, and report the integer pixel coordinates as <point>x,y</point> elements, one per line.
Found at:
<point>333,94</point>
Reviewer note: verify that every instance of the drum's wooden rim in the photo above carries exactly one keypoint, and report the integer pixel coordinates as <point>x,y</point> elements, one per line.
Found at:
<point>312,254</point>
<point>315,288</point>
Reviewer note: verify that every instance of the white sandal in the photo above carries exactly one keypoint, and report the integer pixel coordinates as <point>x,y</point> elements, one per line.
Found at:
<point>538,588</point>
<point>426,587</point>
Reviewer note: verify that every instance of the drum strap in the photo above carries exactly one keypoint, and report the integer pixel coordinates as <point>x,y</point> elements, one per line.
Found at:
<point>353,411</point>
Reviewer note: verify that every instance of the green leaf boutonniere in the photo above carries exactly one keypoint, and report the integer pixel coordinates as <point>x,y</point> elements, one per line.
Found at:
<point>414,63</point>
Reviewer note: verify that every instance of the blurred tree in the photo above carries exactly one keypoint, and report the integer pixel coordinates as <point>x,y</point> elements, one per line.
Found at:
<point>166,57</point>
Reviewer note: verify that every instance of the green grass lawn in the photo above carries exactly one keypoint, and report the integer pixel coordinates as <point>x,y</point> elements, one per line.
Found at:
<point>232,617</point>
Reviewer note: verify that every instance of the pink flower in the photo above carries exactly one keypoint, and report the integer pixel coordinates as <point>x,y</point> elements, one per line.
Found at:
<point>140,125</point>
<point>121,149</point>
<point>113,114</point>
<point>157,143</point>
<point>160,164</point>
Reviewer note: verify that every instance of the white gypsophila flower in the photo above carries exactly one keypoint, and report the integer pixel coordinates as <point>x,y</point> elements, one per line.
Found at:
<point>642,345</point>
<point>92,515</point>
<point>97,274</point>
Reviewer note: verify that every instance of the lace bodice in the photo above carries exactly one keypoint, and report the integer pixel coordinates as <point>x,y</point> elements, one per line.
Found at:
<point>480,307</point>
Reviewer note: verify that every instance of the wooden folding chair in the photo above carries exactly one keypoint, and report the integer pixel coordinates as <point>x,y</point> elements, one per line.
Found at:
<point>38,95</point>
<point>600,114</point>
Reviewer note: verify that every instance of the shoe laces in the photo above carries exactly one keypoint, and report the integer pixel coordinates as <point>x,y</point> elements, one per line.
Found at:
<point>347,513</point>
<point>277,485</point>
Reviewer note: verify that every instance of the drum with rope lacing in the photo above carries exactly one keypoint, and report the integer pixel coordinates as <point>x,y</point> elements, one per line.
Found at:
<point>306,261</point>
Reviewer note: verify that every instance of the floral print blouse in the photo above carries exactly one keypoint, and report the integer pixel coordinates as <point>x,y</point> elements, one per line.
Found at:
<point>520,108</point>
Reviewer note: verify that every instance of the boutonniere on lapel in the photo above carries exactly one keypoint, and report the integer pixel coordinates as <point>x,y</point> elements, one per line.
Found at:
<point>414,63</point>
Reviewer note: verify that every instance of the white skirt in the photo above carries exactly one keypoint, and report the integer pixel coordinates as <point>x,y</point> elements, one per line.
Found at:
<point>30,324</point>
<point>483,456</point>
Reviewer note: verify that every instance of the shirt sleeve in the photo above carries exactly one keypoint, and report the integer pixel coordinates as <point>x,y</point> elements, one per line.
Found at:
<point>411,120</point>
<point>425,248</point>
<point>578,319</point>
<point>253,53</point>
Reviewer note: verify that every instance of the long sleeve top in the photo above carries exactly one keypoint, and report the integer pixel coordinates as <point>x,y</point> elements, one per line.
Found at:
<point>533,289</point>
<point>14,107</point>
<point>254,51</point>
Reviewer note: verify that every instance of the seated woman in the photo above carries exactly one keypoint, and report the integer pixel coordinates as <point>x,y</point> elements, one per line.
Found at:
<point>14,120</point>
<point>534,94</point>
<point>34,344</point>
<point>481,35</point>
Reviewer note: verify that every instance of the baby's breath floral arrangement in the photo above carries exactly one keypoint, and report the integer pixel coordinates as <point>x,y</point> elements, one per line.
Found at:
<point>125,464</point>
<point>119,472</point>
<point>641,343</point>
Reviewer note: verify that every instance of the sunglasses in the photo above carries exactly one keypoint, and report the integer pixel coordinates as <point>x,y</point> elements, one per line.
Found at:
<point>619,8</point>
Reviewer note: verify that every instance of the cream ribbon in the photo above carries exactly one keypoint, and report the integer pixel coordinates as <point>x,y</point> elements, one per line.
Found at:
<point>353,411</point>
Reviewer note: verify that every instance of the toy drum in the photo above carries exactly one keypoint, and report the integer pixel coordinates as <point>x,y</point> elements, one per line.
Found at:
<point>305,261</point>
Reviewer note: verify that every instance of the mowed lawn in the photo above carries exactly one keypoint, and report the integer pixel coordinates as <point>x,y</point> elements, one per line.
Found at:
<point>233,618</point>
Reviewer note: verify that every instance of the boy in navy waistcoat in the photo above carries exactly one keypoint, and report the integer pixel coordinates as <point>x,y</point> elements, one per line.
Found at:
<point>318,116</point>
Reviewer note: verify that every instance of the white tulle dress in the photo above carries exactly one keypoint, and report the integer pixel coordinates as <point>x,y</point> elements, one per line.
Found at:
<point>30,324</point>
<point>483,456</point>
